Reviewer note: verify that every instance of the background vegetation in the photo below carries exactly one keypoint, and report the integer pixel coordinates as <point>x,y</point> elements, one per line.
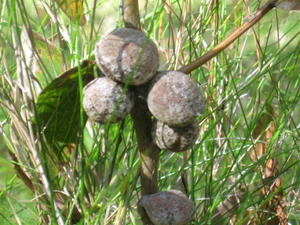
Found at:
<point>252,91</point>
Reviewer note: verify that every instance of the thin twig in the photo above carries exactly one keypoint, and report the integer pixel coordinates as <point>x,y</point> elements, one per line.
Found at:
<point>260,13</point>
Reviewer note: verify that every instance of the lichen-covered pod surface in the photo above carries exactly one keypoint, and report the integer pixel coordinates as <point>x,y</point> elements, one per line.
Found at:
<point>105,100</point>
<point>128,56</point>
<point>170,207</point>
<point>175,139</point>
<point>288,4</point>
<point>174,98</point>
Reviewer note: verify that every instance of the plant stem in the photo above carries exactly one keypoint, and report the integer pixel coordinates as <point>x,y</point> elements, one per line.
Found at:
<point>149,153</point>
<point>260,13</point>
<point>130,11</point>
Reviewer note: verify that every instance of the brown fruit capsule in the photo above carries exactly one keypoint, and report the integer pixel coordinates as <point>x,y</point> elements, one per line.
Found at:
<point>128,56</point>
<point>175,139</point>
<point>168,207</point>
<point>174,98</point>
<point>288,4</point>
<point>106,100</point>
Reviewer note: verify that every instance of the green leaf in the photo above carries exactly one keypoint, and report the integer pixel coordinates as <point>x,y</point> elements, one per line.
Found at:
<point>58,105</point>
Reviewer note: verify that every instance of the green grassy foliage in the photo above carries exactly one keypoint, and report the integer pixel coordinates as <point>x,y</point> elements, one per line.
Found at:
<point>15,198</point>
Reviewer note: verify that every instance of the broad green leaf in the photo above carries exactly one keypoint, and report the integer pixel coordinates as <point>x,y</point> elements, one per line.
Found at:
<point>73,9</point>
<point>58,105</point>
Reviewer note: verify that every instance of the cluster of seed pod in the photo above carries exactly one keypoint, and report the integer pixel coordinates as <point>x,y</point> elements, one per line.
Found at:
<point>128,58</point>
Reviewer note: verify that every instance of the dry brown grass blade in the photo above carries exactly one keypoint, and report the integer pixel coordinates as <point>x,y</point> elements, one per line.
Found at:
<point>263,133</point>
<point>63,202</point>
<point>22,127</point>
<point>273,211</point>
<point>60,197</point>
<point>20,172</point>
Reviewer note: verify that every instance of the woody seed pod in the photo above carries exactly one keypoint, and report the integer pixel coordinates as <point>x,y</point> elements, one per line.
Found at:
<point>288,4</point>
<point>175,139</point>
<point>106,101</point>
<point>168,207</point>
<point>174,98</point>
<point>128,56</point>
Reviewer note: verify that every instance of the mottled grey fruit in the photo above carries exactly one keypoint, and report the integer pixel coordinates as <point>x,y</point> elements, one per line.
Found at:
<point>174,98</point>
<point>175,139</point>
<point>128,56</point>
<point>168,208</point>
<point>288,4</point>
<point>106,100</point>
